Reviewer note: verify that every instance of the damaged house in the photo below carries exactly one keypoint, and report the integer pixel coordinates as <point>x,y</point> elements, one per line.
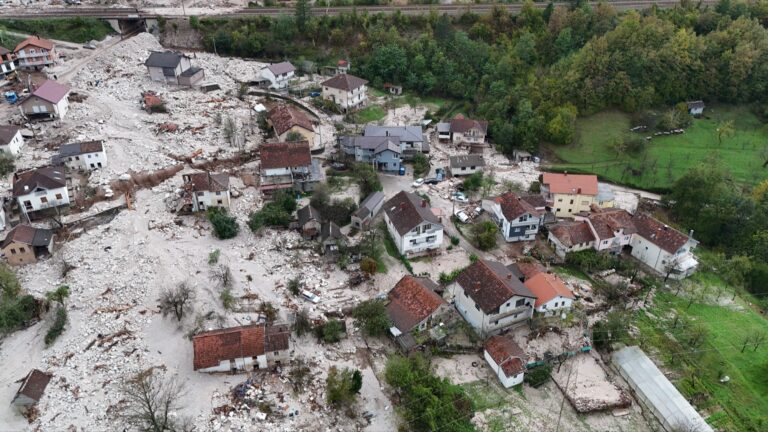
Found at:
<point>288,120</point>
<point>49,101</point>
<point>331,238</point>
<point>11,139</point>
<point>24,244</point>
<point>83,156</point>
<point>309,222</point>
<point>506,359</point>
<point>31,390</point>
<point>202,190</point>
<point>173,68</point>
<point>288,165</point>
<point>368,210</point>
<point>238,349</point>
<point>40,189</point>
<point>414,306</point>
<point>279,75</point>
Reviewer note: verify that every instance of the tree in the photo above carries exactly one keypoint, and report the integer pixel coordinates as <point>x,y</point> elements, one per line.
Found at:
<point>224,226</point>
<point>724,129</point>
<point>177,300</point>
<point>340,387</point>
<point>561,129</point>
<point>151,402</point>
<point>367,178</point>
<point>371,316</point>
<point>303,14</point>
<point>484,234</point>
<point>7,164</point>
<point>294,285</point>
<point>611,329</point>
<point>369,265</point>
<point>294,136</point>
<point>330,331</point>
<point>57,327</point>
<point>9,284</point>
<point>420,165</point>
<point>58,295</point>
<point>302,323</point>
<point>222,276</point>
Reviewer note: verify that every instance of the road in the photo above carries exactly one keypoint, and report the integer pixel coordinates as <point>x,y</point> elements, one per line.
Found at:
<point>450,9</point>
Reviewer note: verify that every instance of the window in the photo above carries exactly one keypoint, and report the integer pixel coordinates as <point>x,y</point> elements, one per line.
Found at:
<point>58,196</point>
<point>218,193</point>
<point>77,157</point>
<point>605,242</point>
<point>557,211</point>
<point>496,322</point>
<point>472,167</point>
<point>560,200</point>
<point>220,202</point>
<point>430,239</point>
<point>523,218</point>
<point>275,352</point>
<point>477,307</point>
<point>44,200</point>
<point>519,303</point>
<point>89,156</point>
<point>544,307</point>
<point>200,194</point>
<point>508,303</point>
<point>571,201</point>
<point>13,251</point>
<point>427,226</point>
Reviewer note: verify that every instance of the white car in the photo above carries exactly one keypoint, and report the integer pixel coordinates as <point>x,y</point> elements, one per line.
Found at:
<point>419,181</point>
<point>306,295</point>
<point>460,198</point>
<point>462,216</point>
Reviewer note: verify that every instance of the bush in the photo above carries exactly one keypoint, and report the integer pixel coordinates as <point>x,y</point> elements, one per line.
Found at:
<point>474,182</point>
<point>330,332</point>
<point>535,187</point>
<point>57,328</point>
<point>371,316</point>
<point>275,213</point>
<point>213,257</point>
<point>17,311</point>
<point>612,329</point>
<point>224,226</point>
<point>455,240</point>
<point>539,375</point>
<point>227,299</point>
<point>7,164</point>
<point>294,286</point>
<point>302,324</point>
<point>9,284</point>
<point>484,234</point>
<point>367,178</point>
<point>591,261</point>
<point>420,165</point>
<point>340,387</point>
<point>369,265</point>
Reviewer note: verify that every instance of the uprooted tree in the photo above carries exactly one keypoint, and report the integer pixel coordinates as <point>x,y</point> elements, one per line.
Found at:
<point>177,300</point>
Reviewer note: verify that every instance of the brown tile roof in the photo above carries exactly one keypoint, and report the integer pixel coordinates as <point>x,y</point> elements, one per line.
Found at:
<point>607,221</point>
<point>284,117</point>
<point>208,182</point>
<point>277,338</point>
<point>537,201</point>
<point>460,124</point>
<point>34,385</point>
<point>80,148</point>
<point>572,233</point>
<point>34,41</point>
<point>406,210</point>
<point>51,91</point>
<point>656,232</point>
<point>7,132</point>
<point>530,269</point>
<point>411,301</point>
<point>45,178</point>
<point>490,284</point>
<point>285,155</point>
<point>281,68</point>
<point>507,354</point>
<point>345,82</point>
<point>212,347</point>
<point>547,286</point>
<point>570,183</point>
<point>306,214</point>
<point>512,206</point>
<point>4,51</point>
<point>28,235</point>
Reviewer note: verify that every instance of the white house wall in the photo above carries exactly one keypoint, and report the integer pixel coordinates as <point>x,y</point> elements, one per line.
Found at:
<point>506,381</point>
<point>210,199</point>
<point>486,324</point>
<point>86,161</point>
<point>549,308</point>
<point>14,147</point>
<point>36,199</point>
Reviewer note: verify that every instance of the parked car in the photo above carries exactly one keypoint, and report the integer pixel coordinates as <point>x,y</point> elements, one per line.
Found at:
<point>314,94</point>
<point>460,198</point>
<point>306,295</point>
<point>419,181</point>
<point>478,210</point>
<point>431,181</point>
<point>463,217</point>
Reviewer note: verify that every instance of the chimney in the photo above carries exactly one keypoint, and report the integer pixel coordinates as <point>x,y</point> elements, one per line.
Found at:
<point>690,234</point>
<point>424,203</point>
<point>578,191</point>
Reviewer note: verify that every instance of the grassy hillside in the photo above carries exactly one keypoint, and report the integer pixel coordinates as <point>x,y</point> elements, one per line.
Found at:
<point>76,30</point>
<point>666,158</point>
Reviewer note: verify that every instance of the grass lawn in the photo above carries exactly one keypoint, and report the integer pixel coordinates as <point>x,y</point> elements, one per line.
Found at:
<point>484,396</point>
<point>370,114</point>
<point>666,157</point>
<point>742,403</point>
<point>77,30</point>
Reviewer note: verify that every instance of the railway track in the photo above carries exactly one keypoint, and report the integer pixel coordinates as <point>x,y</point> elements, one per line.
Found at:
<point>453,9</point>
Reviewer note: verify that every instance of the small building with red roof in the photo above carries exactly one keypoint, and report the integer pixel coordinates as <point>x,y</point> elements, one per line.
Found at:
<point>569,236</point>
<point>506,359</point>
<point>552,295</point>
<point>49,101</point>
<point>414,305</point>
<point>568,194</point>
<point>243,348</point>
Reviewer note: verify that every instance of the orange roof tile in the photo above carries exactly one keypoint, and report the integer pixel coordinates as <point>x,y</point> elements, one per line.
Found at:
<point>547,286</point>
<point>212,347</point>
<point>570,183</point>
<point>507,354</point>
<point>411,301</point>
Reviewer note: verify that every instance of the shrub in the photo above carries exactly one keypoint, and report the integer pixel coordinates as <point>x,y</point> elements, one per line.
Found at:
<point>224,226</point>
<point>227,299</point>
<point>369,265</point>
<point>274,213</point>
<point>7,164</point>
<point>371,316</point>
<point>213,257</point>
<point>330,332</point>
<point>420,164</point>
<point>539,375</point>
<point>302,324</point>
<point>340,387</point>
<point>17,311</point>
<point>535,187</point>
<point>484,234</point>
<point>455,241</point>
<point>612,329</point>
<point>57,328</point>
<point>294,286</point>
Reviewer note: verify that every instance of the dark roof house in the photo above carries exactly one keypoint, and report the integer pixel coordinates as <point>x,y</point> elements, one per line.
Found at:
<point>407,210</point>
<point>345,82</point>
<point>164,59</point>
<point>77,149</point>
<point>284,117</point>
<point>28,235</point>
<point>285,155</point>
<point>44,178</point>
<point>369,205</point>
<point>32,388</point>
<point>207,182</point>
<point>306,214</point>
<point>490,284</point>
<point>7,133</point>
<point>466,161</point>
<point>281,68</point>
<point>411,301</point>
<point>459,124</point>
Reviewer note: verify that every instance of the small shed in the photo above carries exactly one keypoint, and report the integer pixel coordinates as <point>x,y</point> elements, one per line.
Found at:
<point>191,76</point>
<point>368,210</point>
<point>31,390</point>
<point>696,108</point>
<point>393,89</point>
<point>521,155</point>
<point>309,222</point>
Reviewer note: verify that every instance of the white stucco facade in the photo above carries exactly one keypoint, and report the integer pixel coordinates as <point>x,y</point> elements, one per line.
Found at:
<point>86,161</point>
<point>14,146</point>
<point>683,261</point>
<point>279,81</point>
<point>555,306</point>
<point>424,237</point>
<point>561,250</point>
<point>240,364</point>
<point>346,99</point>
<point>514,310</point>
<point>43,198</point>
<point>506,381</point>
<point>205,199</point>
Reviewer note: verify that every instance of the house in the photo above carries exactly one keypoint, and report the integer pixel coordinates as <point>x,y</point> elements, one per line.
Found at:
<point>570,236</point>
<point>343,66</point>
<point>309,222</point>
<point>31,390</point>
<point>663,248</point>
<point>289,120</point>
<point>696,108</point>
<point>612,228</point>
<point>552,296</point>
<point>83,156</point>
<point>412,139</point>
<point>521,156</point>
<point>568,194</point>
<point>414,306</point>
<point>7,63</point>
<point>35,53</point>
<point>203,190</point>
<point>413,226</point>
<point>466,164</point>
<point>173,68</point>
<point>25,244</point>
<point>278,74</point>
<point>40,189</point>
<point>346,91</point>
<point>464,130</point>
<point>517,219</point>
<point>490,297</point>
<point>443,132</point>
<point>244,348</point>
<point>49,101</point>
<point>10,140</point>
<point>506,359</point>
<point>331,238</point>
<point>393,89</point>
<point>368,210</point>
<point>288,165</point>
<point>383,152</point>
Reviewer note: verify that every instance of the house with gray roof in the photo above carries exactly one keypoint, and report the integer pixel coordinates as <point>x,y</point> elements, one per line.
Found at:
<point>278,74</point>
<point>383,152</point>
<point>331,238</point>
<point>368,210</point>
<point>346,91</point>
<point>40,189</point>
<point>466,164</point>
<point>82,156</point>
<point>173,68</point>
<point>24,244</point>
<point>413,225</point>
<point>412,138</point>
<point>309,222</point>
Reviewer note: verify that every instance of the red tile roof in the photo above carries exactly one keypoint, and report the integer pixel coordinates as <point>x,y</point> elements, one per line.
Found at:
<point>460,124</point>
<point>656,232</point>
<point>284,117</point>
<point>512,206</point>
<point>285,154</point>
<point>547,286</point>
<point>211,347</point>
<point>34,385</point>
<point>28,235</point>
<point>34,41</point>
<point>530,269</point>
<point>411,301</point>
<point>490,284</point>
<point>608,221</point>
<point>570,183</point>
<point>572,233</point>
<point>507,354</point>
<point>345,82</point>
<point>209,182</point>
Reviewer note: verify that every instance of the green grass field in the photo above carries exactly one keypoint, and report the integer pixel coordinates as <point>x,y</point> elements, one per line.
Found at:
<point>77,30</point>
<point>667,157</point>
<point>738,405</point>
<point>370,114</point>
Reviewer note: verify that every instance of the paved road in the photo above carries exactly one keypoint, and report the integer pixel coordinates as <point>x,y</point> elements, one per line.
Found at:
<point>133,13</point>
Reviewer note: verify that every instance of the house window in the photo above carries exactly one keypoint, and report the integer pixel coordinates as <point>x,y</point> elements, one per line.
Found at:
<point>477,307</point>
<point>413,242</point>
<point>218,193</point>
<point>89,156</point>
<point>427,226</point>
<point>13,251</point>
<point>58,196</point>
<point>571,201</point>
<point>22,250</point>
<point>496,322</point>
<point>605,242</point>
<point>523,218</point>
<point>200,194</point>
<point>219,202</point>
<point>557,211</point>
<point>560,200</point>
<point>519,303</point>
<point>430,239</point>
<point>77,157</point>
<point>275,352</point>
<point>44,200</point>
<point>508,303</point>
<point>544,307</point>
